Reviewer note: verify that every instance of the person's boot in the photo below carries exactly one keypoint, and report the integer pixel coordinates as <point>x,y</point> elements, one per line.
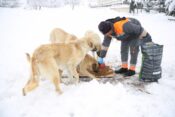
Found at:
<point>121,71</point>
<point>130,73</point>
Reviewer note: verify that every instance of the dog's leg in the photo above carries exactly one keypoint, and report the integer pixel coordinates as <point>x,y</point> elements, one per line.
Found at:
<point>76,75</point>
<point>73,72</point>
<point>86,72</point>
<point>54,74</point>
<point>70,77</point>
<point>31,85</point>
<point>56,81</point>
<point>60,72</point>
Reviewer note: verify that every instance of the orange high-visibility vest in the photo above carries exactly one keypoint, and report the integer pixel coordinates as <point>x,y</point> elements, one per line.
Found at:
<point>118,26</point>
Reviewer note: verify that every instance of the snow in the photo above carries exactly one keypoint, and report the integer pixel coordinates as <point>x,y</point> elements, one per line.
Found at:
<point>172,6</point>
<point>23,30</point>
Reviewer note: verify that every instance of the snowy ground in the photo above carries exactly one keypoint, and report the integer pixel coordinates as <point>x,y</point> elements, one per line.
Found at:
<point>23,30</point>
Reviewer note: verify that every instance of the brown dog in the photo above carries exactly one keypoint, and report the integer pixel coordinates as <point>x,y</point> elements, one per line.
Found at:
<point>48,59</point>
<point>89,63</point>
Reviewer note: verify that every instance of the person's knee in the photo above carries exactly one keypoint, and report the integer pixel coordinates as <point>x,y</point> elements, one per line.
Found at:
<point>134,50</point>
<point>134,55</point>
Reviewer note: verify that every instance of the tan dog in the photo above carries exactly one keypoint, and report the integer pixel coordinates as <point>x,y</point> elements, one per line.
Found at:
<point>89,63</point>
<point>88,66</point>
<point>48,59</point>
<point>58,35</point>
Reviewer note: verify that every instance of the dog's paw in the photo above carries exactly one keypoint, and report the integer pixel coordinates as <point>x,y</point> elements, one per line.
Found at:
<point>98,79</point>
<point>59,91</point>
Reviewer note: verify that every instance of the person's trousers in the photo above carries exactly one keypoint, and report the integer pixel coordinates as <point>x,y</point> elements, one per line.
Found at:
<point>132,46</point>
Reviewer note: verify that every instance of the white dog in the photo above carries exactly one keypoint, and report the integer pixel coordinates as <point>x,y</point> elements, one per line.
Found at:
<point>49,58</point>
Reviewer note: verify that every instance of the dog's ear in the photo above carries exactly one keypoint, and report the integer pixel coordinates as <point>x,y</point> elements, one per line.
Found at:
<point>28,57</point>
<point>95,67</point>
<point>91,45</point>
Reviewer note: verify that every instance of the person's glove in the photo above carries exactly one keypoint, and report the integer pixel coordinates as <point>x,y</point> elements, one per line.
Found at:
<point>101,63</point>
<point>100,60</point>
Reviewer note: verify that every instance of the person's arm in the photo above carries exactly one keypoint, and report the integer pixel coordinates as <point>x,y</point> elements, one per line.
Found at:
<point>105,46</point>
<point>102,54</point>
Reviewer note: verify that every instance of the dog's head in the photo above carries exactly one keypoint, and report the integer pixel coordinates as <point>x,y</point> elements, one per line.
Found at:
<point>93,40</point>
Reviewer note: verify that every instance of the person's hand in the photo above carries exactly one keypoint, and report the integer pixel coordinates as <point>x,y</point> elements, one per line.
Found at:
<point>101,63</point>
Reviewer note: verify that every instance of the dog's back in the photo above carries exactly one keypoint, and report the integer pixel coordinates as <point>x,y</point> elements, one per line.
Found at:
<point>58,35</point>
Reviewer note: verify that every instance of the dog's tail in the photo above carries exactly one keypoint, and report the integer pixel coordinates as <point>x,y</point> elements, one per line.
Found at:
<point>34,65</point>
<point>28,57</point>
<point>34,75</point>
